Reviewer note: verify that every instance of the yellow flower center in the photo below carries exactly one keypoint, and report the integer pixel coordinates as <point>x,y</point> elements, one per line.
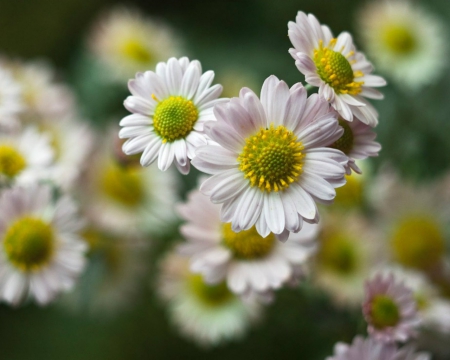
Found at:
<point>384,312</point>
<point>418,242</point>
<point>174,118</point>
<point>399,39</point>
<point>247,244</point>
<point>345,142</point>
<point>29,243</point>
<point>11,161</point>
<point>210,295</point>
<point>336,70</point>
<point>338,254</point>
<point>136,51</point>
<point>352,193</point>
<point>272,159</point>
<point>124,185</point>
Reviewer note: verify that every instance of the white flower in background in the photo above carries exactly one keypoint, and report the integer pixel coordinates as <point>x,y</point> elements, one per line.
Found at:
<point>371,349</point>
<point>170,107</point>
<point>11,102</point>
<point>357,142</point>
<point>271,165</point>
<point>41,251</point>
<point>406,42</point>
<point>390,309</point>
<point>342,74</point>
<point>347,252</point>
<point>25,157</point>
<point>249,263</point>
<point>127,42</point>
<point>127,197</point>
<point>207,314</point>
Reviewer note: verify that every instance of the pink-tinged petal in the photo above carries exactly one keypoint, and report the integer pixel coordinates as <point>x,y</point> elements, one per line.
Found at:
<point>278,103</point>
<point>228,210</point>
<point>371,93</point>
<point>316,28</point>
<point>225,136</point>
<point>305,64</point>
<point>151,151</point>
<point>316,186</point>
<point>295,107</point>
<point>320,133</point>
<point>166,156</point>
<point>344,43</point>
<point>217,155</point>
<point>325,168</point>
<point>228,188</point>
<point>139,105</point>
<point>373,80</point>
<point>249,208</point>
<point>261,226</point>
<point>343,108</point>
<point>191,79</point>
<point>351,100</point>
<point>135,120</point>
<point>208,95</point>
<point>274,212</point>
<point>180,152</point>
<point>290,211</point>
<point>267,95</point>
<point>304,203</point>
<point>212,183</point>
<point>157,85</point>
<point>256,110</point>
<point>205,82</point>
<point>137,144</point>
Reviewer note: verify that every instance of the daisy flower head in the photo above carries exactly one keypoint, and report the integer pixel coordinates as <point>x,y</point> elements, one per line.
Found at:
<point>170,107</point>
<point>390,309</point>
<point>270,163</point>
<point>41,253</point>
<point>127,41</point>
<point>250,264</point>
<point>342,74</point>
<point>406,42</point>
<point>209,314</point>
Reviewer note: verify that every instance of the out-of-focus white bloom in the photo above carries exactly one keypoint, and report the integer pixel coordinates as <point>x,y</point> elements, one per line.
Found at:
<point>405,42</point>
<point>272,164</point>
<point>170,107</point>
<point>342,74</point>
<point>11,101</point>
<point>41,252</point>
<point>390,309</point>
<point>25,157</point>
<point>207,314</point>
<point>128,42</point>
<point>247,262</point>
<point>371,349</point>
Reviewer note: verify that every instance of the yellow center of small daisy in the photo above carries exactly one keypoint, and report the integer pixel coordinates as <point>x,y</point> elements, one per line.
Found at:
<point>174,118</point>
<point>336,70</point>
<point>272,159</point>
<point>418,242</point>
<point>11,161</point>
<point>211,295</point>
<point>352,193</point>
<point>136,51</point>
<point>384,312</point>
<point>338,254</point>
<point>29,243</point>
<point>345,142</point>
<point>123,185</point>
<point>247,244</point>
<point>399,39</point>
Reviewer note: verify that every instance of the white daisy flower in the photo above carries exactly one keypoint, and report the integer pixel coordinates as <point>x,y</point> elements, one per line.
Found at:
<point>406,42</point>
<point>371,349</point>
<point>25,157</point>
<point>126,41</point>
<point>207,314</point>
<point>41,252</point>
<point>249,263</point>
<point>11,102</point>
<point>342,74</point>
<point>271,165</point>
<point>170,107</point>
<point>357,142</point>
<point>390,309</point>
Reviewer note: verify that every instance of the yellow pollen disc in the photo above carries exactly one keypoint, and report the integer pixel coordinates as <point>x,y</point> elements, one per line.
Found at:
<point>174,118</point>
<point>352,193</point>
<point>124,185</point>
<point>384,312</point>
<point>345,142</point>
<point>272,159</point>
<point>338,254</point>
<point>336,70</point>
<point>11,161</point>
<point>210,295</point>
<point>247,244</point>
<point>399,39</point>
<point>418,242</point>
<point>136,51</point>
<point>29,243</point>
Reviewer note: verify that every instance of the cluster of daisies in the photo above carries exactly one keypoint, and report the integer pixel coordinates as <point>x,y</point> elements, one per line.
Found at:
<point>266,162</point>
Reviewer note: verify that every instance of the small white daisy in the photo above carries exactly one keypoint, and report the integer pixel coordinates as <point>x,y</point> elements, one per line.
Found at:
<point>25,157</point>
<point>11,101</point>
<point>126,41</point>
<point>405,42</point>
<point>170,107</point>
<point>248,262</point>
<point>271,165</point>
<point>390,309</point>
<point>342,74</point>
<point>41,252</point>
<point>207,314</point>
